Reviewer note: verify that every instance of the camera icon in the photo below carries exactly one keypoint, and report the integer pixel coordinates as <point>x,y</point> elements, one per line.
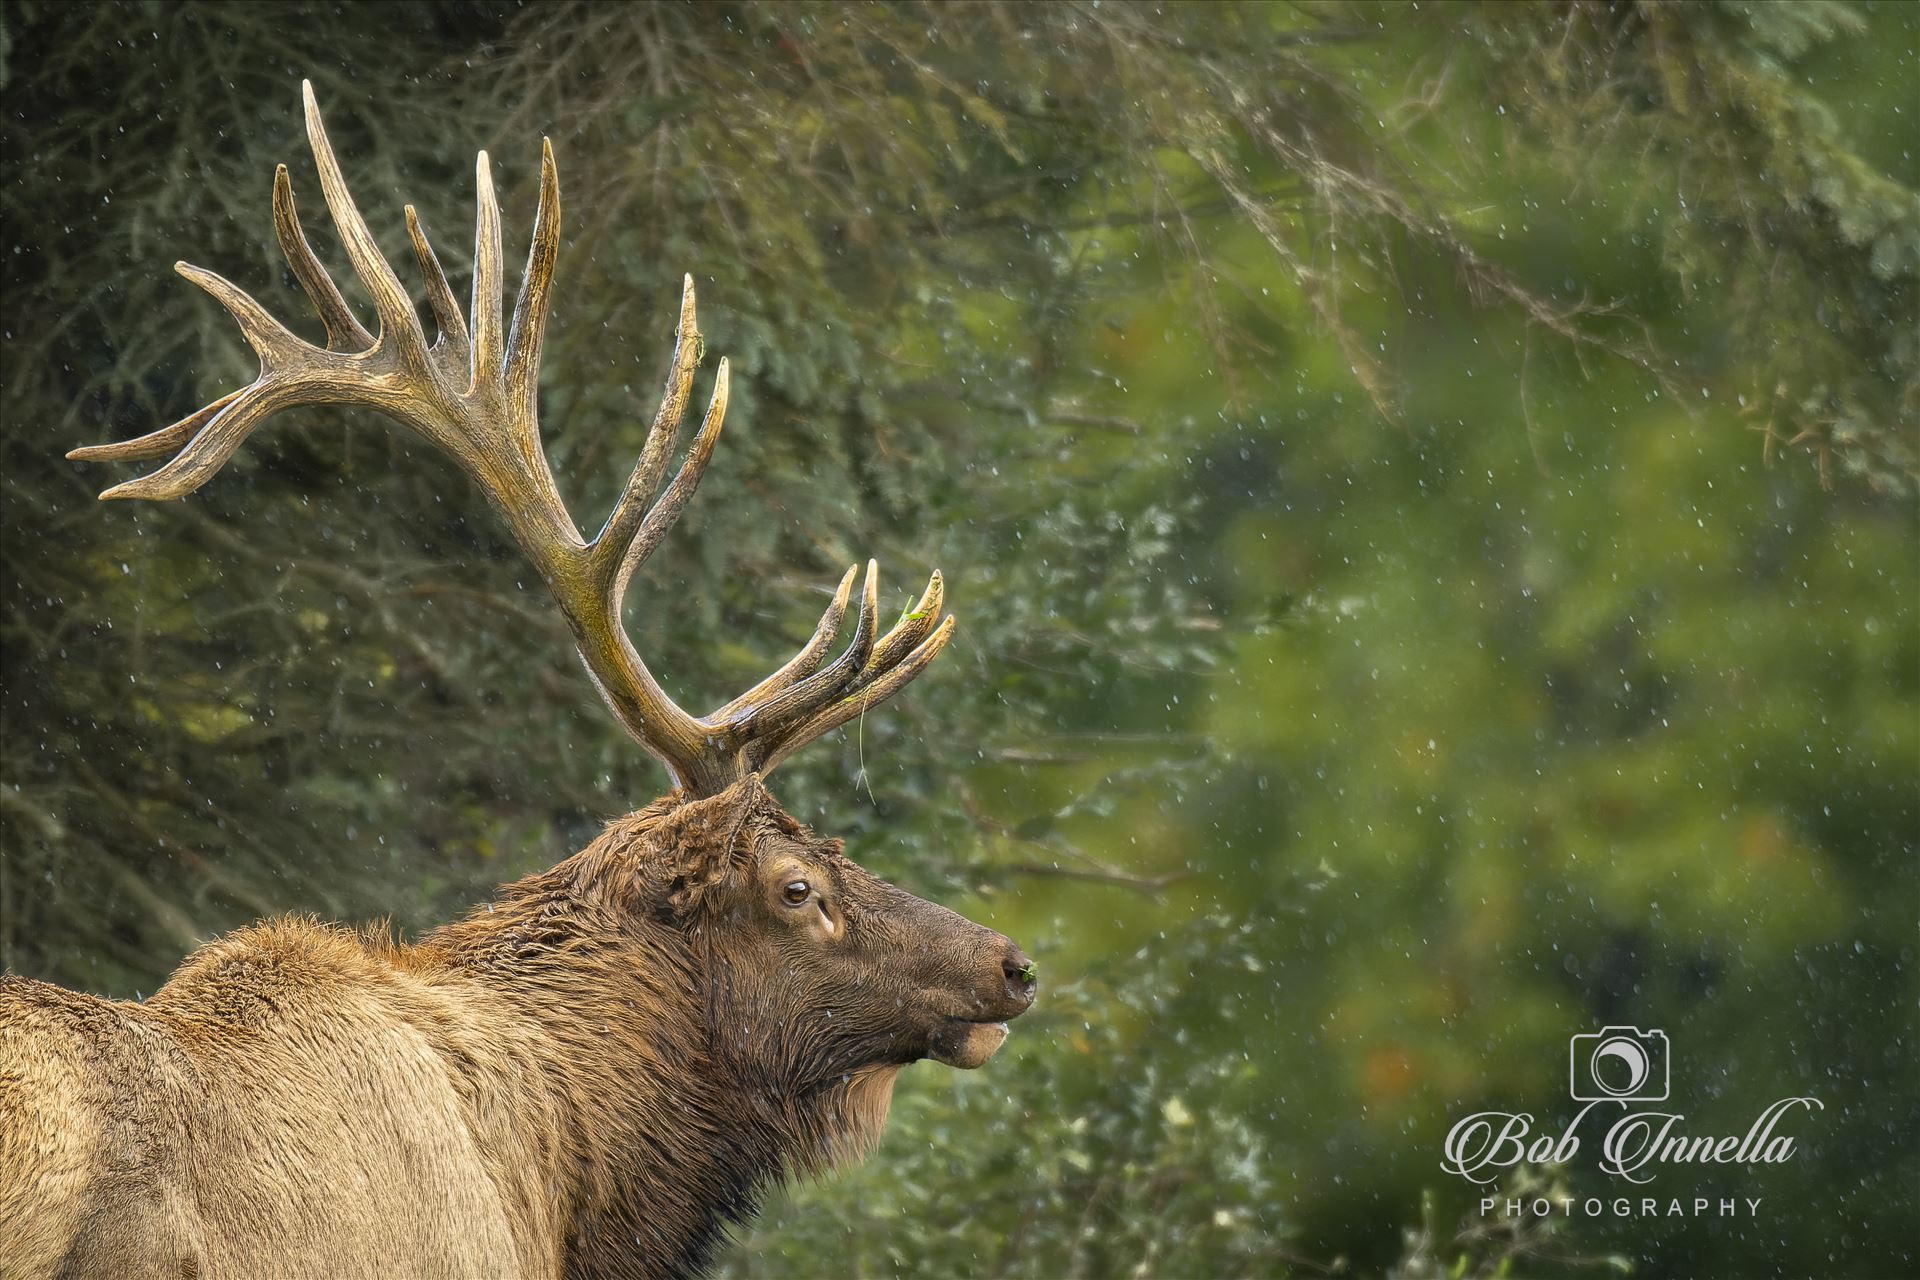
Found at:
<point>1618,1064</point>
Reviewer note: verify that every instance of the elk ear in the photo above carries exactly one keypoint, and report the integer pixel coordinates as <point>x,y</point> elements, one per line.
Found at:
<point>696,846</point>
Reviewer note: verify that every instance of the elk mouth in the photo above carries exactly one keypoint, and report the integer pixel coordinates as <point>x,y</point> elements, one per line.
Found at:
<point>967,1042</point>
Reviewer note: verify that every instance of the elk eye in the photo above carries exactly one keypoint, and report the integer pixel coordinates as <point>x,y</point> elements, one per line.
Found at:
<point>798,891</point>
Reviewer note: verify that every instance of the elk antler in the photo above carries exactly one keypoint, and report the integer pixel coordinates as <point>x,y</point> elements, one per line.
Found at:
<point>473,393</point>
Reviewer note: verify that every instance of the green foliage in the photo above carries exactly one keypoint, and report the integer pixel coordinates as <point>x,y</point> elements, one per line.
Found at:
<point>1506,1246</point>
<point>1765,210</point>
<point>1041,1166</point>
<point>1427,493</point>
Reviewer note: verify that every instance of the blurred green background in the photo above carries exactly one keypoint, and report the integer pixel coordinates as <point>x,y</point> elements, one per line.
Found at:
<point>1429,494</point>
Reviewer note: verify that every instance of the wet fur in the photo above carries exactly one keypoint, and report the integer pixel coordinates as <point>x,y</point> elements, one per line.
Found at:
<point>536,1089</point>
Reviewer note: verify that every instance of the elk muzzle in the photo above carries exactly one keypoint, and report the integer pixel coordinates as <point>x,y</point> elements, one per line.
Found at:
<point>1006,990</point>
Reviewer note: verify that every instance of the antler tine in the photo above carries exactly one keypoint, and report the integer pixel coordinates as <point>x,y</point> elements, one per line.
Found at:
<point>802,664</point>
<point>536,295</point>
<point>446,308</point>
<point>486,274</point>
<point>831,717</point>
<point>913,627</point>
<point>344,332</point>
<point>788,697</point>
<point>398,319</point>
<point>630,510</point>
<point>155,444</point>
<point>269,339</point>
<point>286,367</point>
<point>866,625</point>
<point>661,516</point>
<point>208,451</point>
<point>793,704</point>
<point>865,675</point>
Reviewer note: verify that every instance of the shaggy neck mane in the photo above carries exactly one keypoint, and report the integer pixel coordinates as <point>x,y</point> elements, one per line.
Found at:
<point>661,1145</point>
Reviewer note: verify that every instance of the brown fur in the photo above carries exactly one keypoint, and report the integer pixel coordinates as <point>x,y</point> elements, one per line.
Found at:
<point>593,1075</point>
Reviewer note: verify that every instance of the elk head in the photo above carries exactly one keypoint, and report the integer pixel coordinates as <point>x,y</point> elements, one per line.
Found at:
<point>813,969</point>
<point>819,969</point>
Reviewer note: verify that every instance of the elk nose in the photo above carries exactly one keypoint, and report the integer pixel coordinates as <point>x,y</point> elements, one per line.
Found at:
<point>1021,974</point>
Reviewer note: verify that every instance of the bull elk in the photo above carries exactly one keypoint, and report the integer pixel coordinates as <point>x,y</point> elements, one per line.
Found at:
<point>601,1070</point>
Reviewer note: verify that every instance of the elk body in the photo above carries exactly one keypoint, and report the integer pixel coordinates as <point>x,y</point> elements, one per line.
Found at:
<point>599,1071</point>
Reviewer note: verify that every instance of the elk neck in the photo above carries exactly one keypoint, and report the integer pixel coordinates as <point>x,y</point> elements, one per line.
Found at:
<point>661,1144</point>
